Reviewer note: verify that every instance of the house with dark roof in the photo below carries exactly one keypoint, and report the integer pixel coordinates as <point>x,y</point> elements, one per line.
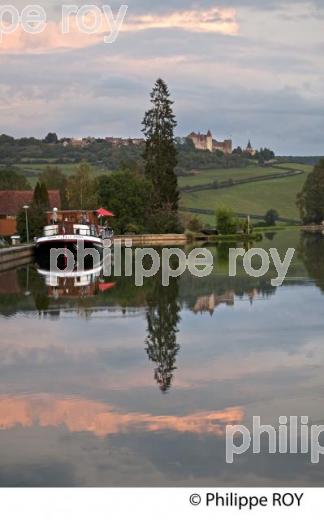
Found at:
<point>11,204</point>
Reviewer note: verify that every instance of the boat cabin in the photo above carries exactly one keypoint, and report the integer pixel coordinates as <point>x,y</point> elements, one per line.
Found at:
<point>85,217</point>
<point>75,222</point>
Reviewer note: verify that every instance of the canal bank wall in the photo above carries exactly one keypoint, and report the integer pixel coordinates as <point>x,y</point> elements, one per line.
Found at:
<point>152,240</point>
<point>11,257</point>
<point>313,228</point>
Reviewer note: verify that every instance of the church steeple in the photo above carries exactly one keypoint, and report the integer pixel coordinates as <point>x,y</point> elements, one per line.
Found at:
<point>251,151</point>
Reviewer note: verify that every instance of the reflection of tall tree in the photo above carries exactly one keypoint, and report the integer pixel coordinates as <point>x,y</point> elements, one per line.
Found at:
<point>312,251</point>
<point>162,319</point>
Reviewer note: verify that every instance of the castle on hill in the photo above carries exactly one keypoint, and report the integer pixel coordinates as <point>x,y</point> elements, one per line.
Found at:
<point>207,142</point>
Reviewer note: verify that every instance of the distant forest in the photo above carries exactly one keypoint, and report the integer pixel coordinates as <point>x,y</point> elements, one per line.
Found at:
<point>312,161</point>
<point>28,151</point>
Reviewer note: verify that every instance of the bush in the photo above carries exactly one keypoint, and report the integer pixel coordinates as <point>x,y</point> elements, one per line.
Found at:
<point>165,221</point>
<point>191,223</point>
<point>134,229</point>
<point>271,217</point>
<point>227,223</point>
<point>127,196</point>
<point>36,223</point>
<point>190,236</point>
<point>195,224</point>
<point>311,199</point>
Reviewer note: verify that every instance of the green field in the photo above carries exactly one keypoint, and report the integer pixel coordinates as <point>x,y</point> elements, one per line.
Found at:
<point>210,176</point>
<point>32,171</point>
<point>255,197</point>
<point>252,198</point>
<point>297,166</point>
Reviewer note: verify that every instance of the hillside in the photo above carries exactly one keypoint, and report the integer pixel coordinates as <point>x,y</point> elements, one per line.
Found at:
<point>254,197</point>
<point>206,180</point>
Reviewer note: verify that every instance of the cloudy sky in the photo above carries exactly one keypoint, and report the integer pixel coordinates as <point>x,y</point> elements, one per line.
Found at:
<point>243,68</point>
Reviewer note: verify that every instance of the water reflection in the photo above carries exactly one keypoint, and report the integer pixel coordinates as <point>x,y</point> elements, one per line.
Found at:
<point>81,415</point>
<point>163,317</point>
<point>41,290</point>
<point>76,284</point>
<point>79,404</point>
<point>312,251</point>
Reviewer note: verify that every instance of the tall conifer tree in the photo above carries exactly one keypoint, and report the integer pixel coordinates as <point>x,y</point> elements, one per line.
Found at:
<point>161,159</point>
<point>40,197</point>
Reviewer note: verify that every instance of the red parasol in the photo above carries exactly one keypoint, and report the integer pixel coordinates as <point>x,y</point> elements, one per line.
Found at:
<point>103,287</point>
<point>102,212</point>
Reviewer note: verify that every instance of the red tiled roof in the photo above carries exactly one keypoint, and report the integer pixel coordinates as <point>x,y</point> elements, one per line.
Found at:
<point>12,202</point>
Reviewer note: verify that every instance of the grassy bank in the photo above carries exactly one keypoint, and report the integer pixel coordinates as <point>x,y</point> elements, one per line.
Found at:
<point>32,171</point>
<point>220,175</point>
<point>253,198</point>
<point>211,239</point>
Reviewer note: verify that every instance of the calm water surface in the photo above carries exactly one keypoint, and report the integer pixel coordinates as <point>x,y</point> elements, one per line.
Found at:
<point>103,383</point>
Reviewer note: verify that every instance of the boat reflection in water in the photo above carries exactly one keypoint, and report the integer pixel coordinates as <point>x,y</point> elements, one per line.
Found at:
<point>75,284</point>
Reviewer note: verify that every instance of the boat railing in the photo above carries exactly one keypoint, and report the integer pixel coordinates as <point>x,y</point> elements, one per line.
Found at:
<point>70,228</point>
<point>52,230</point>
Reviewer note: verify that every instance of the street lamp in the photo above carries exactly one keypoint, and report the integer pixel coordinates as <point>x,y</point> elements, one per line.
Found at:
<point>27,292</point>
<point>27,227</point>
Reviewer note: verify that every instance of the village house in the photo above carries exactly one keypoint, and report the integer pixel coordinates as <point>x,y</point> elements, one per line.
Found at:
<point>78,143</point>
<point>117,142</point>
<point>12,203</point>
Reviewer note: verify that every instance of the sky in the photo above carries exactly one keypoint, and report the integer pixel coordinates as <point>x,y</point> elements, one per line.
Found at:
<point>246,69</point>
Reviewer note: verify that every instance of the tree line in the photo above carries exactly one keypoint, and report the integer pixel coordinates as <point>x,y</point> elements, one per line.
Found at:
<point>310,200</point>
<point>25,152</point>
<point>144,199</point>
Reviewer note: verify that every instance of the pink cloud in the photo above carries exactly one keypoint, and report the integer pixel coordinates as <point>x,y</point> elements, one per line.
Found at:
<point>213,21</point>
<point>82,415</point>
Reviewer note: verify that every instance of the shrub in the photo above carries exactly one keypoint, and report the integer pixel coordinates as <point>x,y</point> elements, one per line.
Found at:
<point>271,217</point>
<point>227,223</point>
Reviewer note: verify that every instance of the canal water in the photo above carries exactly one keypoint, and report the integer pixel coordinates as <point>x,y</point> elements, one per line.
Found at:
<point>103,383</point>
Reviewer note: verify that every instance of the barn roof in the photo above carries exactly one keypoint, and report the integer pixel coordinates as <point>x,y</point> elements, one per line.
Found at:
<point>12,202</point>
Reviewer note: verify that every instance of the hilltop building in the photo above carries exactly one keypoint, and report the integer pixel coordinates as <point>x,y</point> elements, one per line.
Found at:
<point>250,150</point>
<point>206,142</point>
<point>79,143</point>
<point>117,142</point>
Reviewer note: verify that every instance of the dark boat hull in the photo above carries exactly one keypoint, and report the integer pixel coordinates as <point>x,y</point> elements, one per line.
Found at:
<point>52,254</point>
